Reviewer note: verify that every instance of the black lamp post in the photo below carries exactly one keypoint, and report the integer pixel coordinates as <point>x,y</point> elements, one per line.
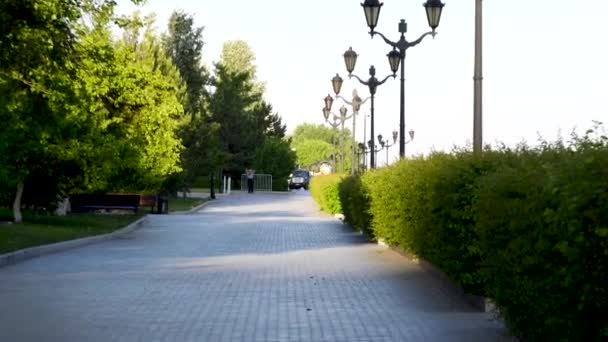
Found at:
<point>371,9</point>
<point>361,152</point>
<point>356,102</point>
<point>350,60</point>
<point>385,143</point>
<point>372,148</point>
<point>338,121</point>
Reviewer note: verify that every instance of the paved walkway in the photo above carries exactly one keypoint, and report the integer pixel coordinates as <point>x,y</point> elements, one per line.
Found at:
<point>261,267</point>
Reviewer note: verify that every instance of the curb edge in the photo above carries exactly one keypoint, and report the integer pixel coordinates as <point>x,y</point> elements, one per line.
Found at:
<point>37,251</point>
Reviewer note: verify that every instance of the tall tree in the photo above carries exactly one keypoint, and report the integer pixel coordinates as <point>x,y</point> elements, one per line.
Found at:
<point>238,131</point>
<point>36,59</point>
<point>275,157</point>
<point>316,142</point>
<point>275,125</point>
<point>35,47</point>
<point>48,99</point>
<point>245,118</point>
<point>184,44</point>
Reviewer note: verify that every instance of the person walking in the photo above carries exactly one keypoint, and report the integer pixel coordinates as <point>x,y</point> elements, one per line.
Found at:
<point>250,175</point>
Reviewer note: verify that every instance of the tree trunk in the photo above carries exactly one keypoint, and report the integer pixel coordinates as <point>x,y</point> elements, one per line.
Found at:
<point>17,203</point>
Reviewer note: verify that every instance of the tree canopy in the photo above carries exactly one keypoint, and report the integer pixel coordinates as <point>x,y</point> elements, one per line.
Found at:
<point>315,143</point>
<point>85,111</point>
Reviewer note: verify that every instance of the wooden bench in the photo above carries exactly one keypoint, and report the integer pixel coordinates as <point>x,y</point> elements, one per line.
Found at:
<point>148,201</point>
<point>91,202</point>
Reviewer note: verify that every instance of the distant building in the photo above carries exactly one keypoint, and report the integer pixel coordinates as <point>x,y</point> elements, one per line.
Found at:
<point>325,168</point>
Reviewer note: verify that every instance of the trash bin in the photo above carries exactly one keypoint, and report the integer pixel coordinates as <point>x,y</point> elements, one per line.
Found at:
<point>162,204</point>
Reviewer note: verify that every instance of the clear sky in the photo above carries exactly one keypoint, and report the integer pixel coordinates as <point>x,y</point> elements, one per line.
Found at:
<point>545,63</point>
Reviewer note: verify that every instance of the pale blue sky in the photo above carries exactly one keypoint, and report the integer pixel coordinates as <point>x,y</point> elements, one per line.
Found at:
<point>544,62</point>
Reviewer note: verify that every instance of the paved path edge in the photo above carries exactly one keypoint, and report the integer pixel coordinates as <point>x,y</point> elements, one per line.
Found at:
<point>482,304</point>
<point>34,252</point>
<point>195,209</point>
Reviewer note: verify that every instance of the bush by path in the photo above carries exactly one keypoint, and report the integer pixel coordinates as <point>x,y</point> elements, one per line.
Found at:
<point>325,191</point>
<point>527,227</point>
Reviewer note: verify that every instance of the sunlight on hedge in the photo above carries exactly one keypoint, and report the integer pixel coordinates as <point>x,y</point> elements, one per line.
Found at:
<point>525,226</point>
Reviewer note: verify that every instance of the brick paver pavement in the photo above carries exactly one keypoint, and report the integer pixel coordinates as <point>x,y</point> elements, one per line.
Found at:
<point>261,267</point>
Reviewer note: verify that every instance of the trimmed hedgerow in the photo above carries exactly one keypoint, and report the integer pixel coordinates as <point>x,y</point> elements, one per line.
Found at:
<point>325,191</point>
<point>527,227</point>
<point>355,203</point>
<point>543,224</point>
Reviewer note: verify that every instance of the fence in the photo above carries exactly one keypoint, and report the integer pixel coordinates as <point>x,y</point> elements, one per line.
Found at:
<point>261,182</point>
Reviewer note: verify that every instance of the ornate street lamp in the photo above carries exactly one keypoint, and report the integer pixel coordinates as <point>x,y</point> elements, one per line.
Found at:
<point>355,104</point>
<point>328,102</point>
<point>361,152</point>
<point>433,10</point>
<point>394,59</point>
<point>350,58</point>
<point>326,113</point>
<point>385,144</point>
<point>338,121</point>
<point>336,83</point>
<point>372,149</point>
<point>372,12</point>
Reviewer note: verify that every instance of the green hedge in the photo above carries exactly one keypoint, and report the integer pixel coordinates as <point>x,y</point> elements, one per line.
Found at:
<point>325,191</point>
<point>354,200</point>
<point>525,227</point>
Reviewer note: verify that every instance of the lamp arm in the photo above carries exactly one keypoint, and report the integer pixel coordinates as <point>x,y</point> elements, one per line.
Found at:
<point>345,100</point>
<point>331,124</point>
<point>388,41</point>
<point>417,41</point>
<point>386,78</point>
<point>360,80</point>
<point>350,103</point>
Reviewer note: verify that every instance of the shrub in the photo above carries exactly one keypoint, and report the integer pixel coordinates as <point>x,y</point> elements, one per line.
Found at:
<point>526,227</point>
<point>543,223</point>
<point>355,203</point>
<point>325,191</point>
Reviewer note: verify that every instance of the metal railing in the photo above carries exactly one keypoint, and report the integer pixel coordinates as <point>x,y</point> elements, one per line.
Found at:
<point>261,182</point>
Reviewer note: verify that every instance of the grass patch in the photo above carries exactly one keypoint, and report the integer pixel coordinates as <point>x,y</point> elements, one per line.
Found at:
<point>203,190</point>
<point>184,204</point>
<point>50,229</point>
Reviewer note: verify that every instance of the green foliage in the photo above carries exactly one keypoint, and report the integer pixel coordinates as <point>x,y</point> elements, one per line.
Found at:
<point>238,58</point>
<point>325,190</point>
<point>312,151</point>
<point>41,230</point>
<point>184,204</point>
<point>83,112</point>
<point>543,222</point>
<point>307,131</point>
<point>315,143</point>
<point>354,198</point>
<point>525,227</point>
<point>198,131</point>
<point>184,43</point>
<point>275,157</point>
<point>133,94</point>
<point>237,104</point>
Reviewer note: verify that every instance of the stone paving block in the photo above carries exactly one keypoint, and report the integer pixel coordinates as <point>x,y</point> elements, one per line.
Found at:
<point>261,267</point>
